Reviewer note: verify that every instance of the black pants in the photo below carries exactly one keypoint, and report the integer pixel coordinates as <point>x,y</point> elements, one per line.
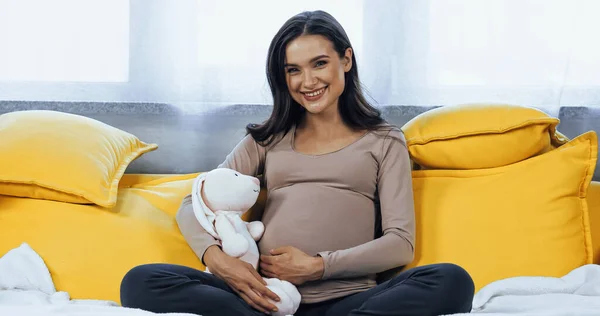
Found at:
<point>429,290</point>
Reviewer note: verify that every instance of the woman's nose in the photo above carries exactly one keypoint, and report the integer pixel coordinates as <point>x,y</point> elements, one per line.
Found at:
<point>309,79</point>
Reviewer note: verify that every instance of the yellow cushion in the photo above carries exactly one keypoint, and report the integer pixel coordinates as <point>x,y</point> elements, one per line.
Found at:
<point>64,157</point>
<point>474,136</point>
<point>87,248</point>
<point>529,218</point>
<point>593,200</point>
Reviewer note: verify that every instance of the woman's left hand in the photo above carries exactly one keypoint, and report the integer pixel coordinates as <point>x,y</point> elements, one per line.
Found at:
<point>291,264</point>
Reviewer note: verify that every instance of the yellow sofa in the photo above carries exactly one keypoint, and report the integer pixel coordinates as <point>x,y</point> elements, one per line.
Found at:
<point>594,205</point>
<point>499,191</point>
<point>90,232</point>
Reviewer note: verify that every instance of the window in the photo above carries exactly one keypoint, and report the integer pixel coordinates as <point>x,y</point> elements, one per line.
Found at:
<point>233,39</point>
<point>198,54</point>
<point>64,40</point>
<point>518,43</point>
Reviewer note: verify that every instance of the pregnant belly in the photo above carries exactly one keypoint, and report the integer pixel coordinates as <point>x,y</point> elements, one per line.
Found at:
<point>316,218</point>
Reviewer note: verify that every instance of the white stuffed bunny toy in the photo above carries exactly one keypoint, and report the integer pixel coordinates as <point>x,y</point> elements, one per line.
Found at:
<point>220,197</point>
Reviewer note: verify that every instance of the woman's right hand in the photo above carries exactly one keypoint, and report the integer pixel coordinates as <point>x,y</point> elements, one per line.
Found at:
<point>242,278</point>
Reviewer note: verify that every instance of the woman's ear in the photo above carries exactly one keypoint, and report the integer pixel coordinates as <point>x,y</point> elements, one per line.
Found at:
<point>347,59</point>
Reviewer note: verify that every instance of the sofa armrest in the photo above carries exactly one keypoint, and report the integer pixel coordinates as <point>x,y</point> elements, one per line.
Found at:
<point>593,199</point>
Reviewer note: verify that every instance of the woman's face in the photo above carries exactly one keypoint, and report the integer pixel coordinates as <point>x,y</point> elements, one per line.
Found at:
<point>315,72</point>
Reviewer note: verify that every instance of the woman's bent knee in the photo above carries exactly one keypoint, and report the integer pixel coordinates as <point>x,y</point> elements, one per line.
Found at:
<point>134,290</point>
<point>457,276</point>
<point>458,287</point>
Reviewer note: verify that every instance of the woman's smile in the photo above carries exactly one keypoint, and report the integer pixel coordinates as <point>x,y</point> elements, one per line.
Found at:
<point>314,95</point>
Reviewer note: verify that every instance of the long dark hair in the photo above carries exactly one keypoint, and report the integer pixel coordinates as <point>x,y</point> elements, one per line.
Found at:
<point>354,109</point>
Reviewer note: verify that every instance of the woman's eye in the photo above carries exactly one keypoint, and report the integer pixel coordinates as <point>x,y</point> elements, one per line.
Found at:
<point>292,70</point>
<point>321,63</point>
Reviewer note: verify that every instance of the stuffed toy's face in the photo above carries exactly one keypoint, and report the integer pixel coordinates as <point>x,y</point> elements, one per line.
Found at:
<point>228,190</point>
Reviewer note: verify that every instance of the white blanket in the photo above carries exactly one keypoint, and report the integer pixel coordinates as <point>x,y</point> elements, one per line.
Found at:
<point>577,293</point>
<point>27,289</point>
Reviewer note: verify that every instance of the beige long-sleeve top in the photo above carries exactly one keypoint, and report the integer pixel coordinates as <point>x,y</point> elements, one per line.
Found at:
<point>354,207</point>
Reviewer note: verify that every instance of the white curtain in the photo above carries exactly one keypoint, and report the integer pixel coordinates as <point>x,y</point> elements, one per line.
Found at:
<point>200,54</point>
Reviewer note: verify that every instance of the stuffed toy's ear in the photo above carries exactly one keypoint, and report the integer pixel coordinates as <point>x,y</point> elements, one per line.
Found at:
<point>204,215</point>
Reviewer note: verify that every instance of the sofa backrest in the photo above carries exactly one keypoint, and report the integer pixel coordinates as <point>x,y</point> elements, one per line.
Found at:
<point>190,140</point>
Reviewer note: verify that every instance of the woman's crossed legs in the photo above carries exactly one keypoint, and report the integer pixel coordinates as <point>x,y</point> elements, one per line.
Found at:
<point>435,289</point>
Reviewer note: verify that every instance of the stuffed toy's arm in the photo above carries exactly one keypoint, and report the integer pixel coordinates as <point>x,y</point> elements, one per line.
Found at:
<point>234,243</point>
<point>256,229</point>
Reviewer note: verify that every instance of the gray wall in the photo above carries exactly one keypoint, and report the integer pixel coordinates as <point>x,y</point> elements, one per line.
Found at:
<point>192,142</point>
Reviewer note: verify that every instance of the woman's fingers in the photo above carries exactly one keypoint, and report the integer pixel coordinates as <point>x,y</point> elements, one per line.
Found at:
<point>260,301</point>
<point>262,288</point>
<point>257,275</point>
<point>246,282</point>
<point>267,267</point>
<point>270,275</point>
<point>264,291</point>
<point>251,302</point>
<point>268,259</point>
<point>268,270</point>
